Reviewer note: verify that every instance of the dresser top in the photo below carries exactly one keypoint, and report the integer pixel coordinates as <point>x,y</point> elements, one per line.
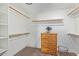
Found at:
<point>49,33</point>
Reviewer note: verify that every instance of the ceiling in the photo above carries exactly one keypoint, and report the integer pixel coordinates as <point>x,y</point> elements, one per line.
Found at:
<point>42,7</point>
<point>36,8</point>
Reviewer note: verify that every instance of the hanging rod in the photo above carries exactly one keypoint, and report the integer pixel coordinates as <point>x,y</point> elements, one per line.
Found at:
<point>18,12</point>
<point>74,9</point>
<point>17,34</point>
<point>49,21</point>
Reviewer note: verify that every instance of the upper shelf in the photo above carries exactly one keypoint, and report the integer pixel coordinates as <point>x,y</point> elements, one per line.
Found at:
<point>49,21</point>
<point>18,11</point>
<point>17,34</point>
<point>74,11</point>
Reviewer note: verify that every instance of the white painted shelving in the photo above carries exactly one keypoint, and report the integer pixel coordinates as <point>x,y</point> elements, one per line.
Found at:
<point>3,28</point>
<point>3,37</point>
<point>74,24</point>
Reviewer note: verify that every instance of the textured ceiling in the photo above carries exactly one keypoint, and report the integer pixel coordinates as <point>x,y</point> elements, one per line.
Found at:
<point>36,8</point>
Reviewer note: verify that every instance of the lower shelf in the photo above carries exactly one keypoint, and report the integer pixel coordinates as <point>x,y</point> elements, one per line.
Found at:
<point>2,51</point>
<point>3,37</point>
<point>74,34</point>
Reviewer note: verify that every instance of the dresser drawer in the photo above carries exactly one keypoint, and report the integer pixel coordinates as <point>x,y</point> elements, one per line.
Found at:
<point>53,47</point>
<point>49,43</point>
<point>45,50</point>
<point>44,45</point>
<point>52,34</point>
<point>49,39</point>
<point>52,40</point>
<point>44,35</point>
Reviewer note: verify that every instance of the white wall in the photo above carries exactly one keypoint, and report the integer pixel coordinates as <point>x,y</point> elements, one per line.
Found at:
<point>19,24</point>
<point>3,25</point>
<point>3,20</point>
<point>51,14</point>
<point>63,37</point>
<point>77,25</point>
<point>70,24</point>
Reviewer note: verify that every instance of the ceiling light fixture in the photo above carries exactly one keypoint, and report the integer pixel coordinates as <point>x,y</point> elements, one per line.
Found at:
<point>28,3</point>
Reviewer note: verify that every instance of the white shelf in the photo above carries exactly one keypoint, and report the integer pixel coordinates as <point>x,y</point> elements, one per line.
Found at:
<point>74,11</point>
<point>3,37</point>
<point>74,34</point>
<point>3,29</point>
<point>49,21</point>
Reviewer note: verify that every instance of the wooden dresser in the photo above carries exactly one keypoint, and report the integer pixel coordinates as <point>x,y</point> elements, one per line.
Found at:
<point>49,43</point>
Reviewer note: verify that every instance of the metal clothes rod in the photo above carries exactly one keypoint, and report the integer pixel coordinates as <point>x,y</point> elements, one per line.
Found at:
<point>74,10</point>
<point>18,12</point>
<point>18,34</point>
